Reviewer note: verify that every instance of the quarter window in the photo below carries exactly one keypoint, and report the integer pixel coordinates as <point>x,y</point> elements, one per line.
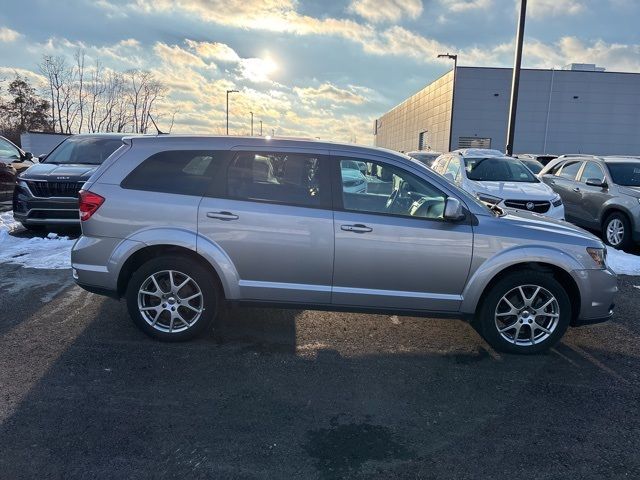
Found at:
<point>7,150</point>
<point>185,172</point>
<point>389,190</point>
<point>289,178</point>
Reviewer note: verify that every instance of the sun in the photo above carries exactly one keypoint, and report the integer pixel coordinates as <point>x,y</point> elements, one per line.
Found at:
<point>259,69</point>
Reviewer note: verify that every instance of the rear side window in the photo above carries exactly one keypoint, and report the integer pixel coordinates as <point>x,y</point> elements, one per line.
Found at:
<point>288,178</point>
<point>185,172</point>
<point>570,170</point>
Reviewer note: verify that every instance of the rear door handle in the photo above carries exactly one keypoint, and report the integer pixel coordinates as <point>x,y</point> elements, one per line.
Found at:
<point>222,215</point>
<point>357,228</point>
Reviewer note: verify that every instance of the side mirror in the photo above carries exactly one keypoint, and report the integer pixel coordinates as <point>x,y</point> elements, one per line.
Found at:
<point>596,182</point>
<point>453,210</point>
<point>27,156</point>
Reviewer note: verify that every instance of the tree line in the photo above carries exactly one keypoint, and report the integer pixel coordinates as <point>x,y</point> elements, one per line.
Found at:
<point>79,98</point>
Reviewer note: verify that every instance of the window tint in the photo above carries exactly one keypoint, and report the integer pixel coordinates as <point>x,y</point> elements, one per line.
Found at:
<point>7,150</point>
<point>626,174</point>
<point>592,170</point>
<point>454,170</point>
<point>555,169</point>
<point>498,169</point>
<point>291,178</point>
<point>186,172</point>
<point>389,190</point>
<point>570,170</point>
<point>83,150</point>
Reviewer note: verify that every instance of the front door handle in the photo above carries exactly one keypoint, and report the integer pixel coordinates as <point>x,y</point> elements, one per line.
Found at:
<point>357,228</point>
<point>576,189</point>
<point>222,215</point>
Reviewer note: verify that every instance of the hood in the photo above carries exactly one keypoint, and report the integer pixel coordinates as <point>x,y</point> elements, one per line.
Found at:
<point>631,191</point>
<point>551,227</point>
<point>515,190</point>
<point>52,171</point>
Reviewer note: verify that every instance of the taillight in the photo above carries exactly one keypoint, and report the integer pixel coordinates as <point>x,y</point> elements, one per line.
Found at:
<point>89,203</point>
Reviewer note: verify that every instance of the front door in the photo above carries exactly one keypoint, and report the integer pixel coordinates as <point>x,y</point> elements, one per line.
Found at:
<point>591,198</point>
<point>393,249</point>
<point>275,223</point>
<point>563,182</point>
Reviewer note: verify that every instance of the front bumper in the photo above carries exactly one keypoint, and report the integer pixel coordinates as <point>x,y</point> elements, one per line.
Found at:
<point>597,291</point>
<point>31,210</point>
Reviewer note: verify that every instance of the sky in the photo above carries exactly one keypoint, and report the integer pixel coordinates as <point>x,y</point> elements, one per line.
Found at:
<point>308,68</point>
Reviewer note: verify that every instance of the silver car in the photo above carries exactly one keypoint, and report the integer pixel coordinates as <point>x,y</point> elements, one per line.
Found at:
<point>177,225</point>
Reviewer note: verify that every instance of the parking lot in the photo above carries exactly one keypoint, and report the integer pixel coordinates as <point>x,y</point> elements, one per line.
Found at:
<point>302,394</point>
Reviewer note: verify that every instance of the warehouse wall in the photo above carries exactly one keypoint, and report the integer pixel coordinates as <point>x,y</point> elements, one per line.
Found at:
<point>428,111</point>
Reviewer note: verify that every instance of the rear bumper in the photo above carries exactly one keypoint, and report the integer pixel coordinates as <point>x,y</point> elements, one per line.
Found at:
<point>30,210</point>
<point>597,291</point>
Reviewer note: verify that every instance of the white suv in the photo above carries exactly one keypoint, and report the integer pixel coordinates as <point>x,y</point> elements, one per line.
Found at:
<point>497,179</point>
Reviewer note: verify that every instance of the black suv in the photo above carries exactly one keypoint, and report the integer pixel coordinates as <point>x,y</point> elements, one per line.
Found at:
<point>47,193</point>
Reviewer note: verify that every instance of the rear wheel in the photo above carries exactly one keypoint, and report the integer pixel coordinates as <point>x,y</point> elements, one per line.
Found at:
<point>617,231</point>
<point>173,298</point>
<point>524,312</point>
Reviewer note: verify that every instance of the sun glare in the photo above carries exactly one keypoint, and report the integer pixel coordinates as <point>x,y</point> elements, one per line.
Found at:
<point>259,69</point>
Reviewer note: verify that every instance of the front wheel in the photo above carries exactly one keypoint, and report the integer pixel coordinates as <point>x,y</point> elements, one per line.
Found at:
<point>617,231</point>
<point>524,312</point>
<point>172,298</point>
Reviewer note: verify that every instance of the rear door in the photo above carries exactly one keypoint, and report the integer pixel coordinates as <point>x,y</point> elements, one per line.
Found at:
<point>273,219</point>
<point>392,247</point>
<point>562,180</point>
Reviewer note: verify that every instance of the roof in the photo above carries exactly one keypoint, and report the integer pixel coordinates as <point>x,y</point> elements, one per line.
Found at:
<point>479,152</point>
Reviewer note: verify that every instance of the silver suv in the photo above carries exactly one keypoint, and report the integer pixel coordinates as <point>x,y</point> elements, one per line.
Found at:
<point>599,193</point>
<point>180,224</point>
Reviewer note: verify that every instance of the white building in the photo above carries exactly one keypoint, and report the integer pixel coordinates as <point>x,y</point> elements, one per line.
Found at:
<point>579,109</point>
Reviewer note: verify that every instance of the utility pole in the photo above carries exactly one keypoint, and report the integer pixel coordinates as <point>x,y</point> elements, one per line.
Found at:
<point>260,127</point>
<point>251,123</point>
<point>453,57</point>
<point>228,92</point>
<point>515,82</point>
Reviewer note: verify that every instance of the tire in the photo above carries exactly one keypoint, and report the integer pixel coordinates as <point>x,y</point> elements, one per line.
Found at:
<point>34,228</point>
<point>192,307</point>
<point>494,313</point>
<point>613,224</point>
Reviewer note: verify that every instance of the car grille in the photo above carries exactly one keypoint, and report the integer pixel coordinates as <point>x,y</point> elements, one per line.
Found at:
<point>55,189</point>
<point>538,206</point>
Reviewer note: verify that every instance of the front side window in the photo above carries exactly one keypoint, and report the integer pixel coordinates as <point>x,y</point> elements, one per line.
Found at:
<point>288,178</point>
<point>389,190</point>
<point>625,174</point>
<point>7,150</point>
<point>570,170</point>
<point>453,169</point>
<point>184,172</point>
<point>592,171</point>
<point>496,169</point>
<point>83,150</point>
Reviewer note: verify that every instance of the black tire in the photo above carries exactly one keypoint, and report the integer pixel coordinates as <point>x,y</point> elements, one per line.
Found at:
<point>627,240</point>
<point>485,321</point>
<point>211,299</point>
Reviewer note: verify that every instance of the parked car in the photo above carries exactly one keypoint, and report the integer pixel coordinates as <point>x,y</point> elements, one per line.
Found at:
<point>534,165</point>
<point>543,158</point>
<point>599,193</point>
<point>426,157</point>
<point>47,194</point>
<point>178,225</point>
<point>499,180</point>
<point>353,180</point>
<point>13,160</point>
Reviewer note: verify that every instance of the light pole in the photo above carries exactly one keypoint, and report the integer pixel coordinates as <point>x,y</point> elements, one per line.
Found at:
<point>453,57</point>
<point>515,81</point>
<point>228,92</point>
<point>260,127</point>
<point>251,123</point>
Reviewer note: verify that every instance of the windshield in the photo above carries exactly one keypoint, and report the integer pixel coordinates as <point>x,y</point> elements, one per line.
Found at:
<point>626,174</point>
<point>496,169</point>
<point>534,165</point>
<point>89,151</point>
<point>7,150</point>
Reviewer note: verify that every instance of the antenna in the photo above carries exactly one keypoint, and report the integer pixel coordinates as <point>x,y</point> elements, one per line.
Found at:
<point>155,125</point>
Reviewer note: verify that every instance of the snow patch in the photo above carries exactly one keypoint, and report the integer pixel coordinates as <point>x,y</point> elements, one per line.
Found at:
<point>52,252</point>
<point>623,263</point>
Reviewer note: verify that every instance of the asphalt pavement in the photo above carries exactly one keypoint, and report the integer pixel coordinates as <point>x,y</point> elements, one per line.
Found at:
<point>276,394</point>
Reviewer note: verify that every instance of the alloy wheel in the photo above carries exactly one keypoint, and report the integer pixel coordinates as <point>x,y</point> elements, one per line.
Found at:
<point>615,232</point>
<point>170,301</point>
<point>527,315</point>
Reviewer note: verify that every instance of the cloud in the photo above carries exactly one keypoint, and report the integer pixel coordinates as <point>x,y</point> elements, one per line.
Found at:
<point>177,56</point>
<point>544,8</point>
<point>328,92</point>
<point>465,5</point>
<point>214,51</point>
<point>7,35</point>
<point>377,11</point>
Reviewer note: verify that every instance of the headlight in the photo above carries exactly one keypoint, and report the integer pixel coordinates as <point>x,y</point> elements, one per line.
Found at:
<point>484,197</point>
<point>556,201</point>
<point>599,256</point>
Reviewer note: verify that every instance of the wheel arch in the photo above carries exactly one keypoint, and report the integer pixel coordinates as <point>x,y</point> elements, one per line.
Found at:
<point>608,210</point>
